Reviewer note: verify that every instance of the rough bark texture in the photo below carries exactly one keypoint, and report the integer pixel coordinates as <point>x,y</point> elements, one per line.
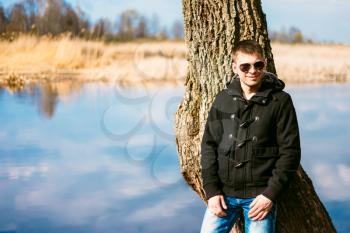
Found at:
<point>212,27</point>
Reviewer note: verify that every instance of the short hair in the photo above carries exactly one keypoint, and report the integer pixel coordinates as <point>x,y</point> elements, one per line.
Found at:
<point>248,47</point>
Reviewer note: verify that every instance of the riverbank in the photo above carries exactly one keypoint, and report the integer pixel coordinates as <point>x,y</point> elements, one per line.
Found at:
<point>31,59</point>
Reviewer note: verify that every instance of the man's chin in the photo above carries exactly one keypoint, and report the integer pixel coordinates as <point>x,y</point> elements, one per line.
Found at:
<point>253,83</point>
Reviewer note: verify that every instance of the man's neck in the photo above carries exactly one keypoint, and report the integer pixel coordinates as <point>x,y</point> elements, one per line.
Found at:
<point>249,91</point>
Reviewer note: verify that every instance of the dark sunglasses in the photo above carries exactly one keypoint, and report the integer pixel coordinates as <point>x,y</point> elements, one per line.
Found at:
<point>245,67</point>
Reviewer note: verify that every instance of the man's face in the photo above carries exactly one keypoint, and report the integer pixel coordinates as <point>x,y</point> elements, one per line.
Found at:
<point>250,69</point>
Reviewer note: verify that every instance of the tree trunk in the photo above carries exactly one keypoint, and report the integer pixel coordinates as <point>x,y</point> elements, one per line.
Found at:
<point>212,27</point>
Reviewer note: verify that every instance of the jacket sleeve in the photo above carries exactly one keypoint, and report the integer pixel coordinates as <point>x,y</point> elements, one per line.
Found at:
<point>288,141</point>
<point>209,144</point>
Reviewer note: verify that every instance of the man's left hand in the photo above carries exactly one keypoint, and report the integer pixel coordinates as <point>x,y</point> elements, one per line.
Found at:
<point>259,208</point>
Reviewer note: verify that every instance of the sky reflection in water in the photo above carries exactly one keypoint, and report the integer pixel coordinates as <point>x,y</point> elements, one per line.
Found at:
<point>99,158</point>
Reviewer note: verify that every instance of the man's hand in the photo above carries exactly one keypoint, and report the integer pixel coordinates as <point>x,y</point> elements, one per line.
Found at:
<point>259,208</point>
<point>216,205</point>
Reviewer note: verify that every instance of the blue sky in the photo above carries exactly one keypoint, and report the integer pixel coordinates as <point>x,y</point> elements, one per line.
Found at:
<point>323,20</point>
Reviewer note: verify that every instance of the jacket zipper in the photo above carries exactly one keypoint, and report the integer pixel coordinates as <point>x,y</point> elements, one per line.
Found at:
<point>245,150</point>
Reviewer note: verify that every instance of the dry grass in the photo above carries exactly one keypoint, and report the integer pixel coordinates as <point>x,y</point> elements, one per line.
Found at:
<point>47,58</point>
<point>312,63</point>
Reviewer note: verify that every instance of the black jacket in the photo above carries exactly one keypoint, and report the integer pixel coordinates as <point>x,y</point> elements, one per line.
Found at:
<point>250,147</point>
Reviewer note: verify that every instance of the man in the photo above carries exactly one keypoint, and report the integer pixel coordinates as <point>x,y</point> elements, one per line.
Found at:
<point>250,148</point>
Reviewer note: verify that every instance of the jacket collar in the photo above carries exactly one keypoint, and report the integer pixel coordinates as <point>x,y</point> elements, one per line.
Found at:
<point>270,83</point>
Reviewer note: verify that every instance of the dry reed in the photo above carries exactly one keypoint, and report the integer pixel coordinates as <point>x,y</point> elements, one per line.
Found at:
<point>52,58</point>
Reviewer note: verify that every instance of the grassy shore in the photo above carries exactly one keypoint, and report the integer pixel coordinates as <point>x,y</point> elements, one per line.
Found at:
<point>32,58</point>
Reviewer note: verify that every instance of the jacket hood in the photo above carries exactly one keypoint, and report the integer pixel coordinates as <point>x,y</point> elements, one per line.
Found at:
<point>270,84</point>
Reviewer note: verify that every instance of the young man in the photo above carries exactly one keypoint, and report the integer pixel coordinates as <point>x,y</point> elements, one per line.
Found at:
<point>250,148</point>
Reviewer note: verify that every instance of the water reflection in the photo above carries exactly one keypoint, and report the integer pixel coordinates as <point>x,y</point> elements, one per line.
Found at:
<point>68,173</point>
<point>323,113</point>
<point>91,166</point>
<point>44,94</point>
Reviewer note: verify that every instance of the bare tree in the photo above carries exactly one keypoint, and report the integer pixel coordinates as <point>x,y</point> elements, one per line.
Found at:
<point>101,28</point>
<point>52,18</point>
<point>162,34</point>
<point>178,30</point>
<point>31,6</point>
<point>3,20</point>
<point>70,21</point>
<point>154,25</point>
<point>294,35</point>
<point>127,24</point>
<point>18,19</point>
<point>142,29</point>
<point>84,24</point>
<point>211,30</point>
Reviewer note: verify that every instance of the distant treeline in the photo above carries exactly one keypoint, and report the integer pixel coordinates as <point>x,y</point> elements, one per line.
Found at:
<point>55,17</point>
<point>292,35</point>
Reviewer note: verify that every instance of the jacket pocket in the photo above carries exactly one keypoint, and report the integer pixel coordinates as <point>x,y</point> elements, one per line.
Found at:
<point>264,160</point>
<point>223,163</point>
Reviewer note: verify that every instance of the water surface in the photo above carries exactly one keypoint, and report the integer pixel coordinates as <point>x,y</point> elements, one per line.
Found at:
<point>100,158</point>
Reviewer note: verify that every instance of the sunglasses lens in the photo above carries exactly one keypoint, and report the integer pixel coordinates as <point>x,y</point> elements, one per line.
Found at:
<point>245,67</point>
<point>259,65</point>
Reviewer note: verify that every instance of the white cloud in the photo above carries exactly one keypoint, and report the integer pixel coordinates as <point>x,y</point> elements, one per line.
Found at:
<point>161,209</point>
<point>332,181</point>
<point>344,174</point>
<point>341,106</point>
<point>321,121</point>
<point>52,200</point>
<point>69,172</point>
<point>17,172</point>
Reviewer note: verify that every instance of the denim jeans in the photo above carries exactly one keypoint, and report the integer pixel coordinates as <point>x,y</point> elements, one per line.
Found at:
<point>214,224</point>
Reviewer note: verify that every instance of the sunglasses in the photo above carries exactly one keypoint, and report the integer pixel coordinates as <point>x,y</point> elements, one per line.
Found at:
<point>245,67</point>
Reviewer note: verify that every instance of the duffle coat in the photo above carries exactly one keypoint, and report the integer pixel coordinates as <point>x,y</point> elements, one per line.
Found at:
<point>250,147</point>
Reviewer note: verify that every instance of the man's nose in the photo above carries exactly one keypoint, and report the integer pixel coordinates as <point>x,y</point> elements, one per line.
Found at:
<point>252,69</point>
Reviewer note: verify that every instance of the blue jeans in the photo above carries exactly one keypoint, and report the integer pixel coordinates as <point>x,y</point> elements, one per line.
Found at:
<point>214,224</point>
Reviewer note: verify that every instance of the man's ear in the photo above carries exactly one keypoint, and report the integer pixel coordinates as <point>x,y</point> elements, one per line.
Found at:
<point>234,67</point>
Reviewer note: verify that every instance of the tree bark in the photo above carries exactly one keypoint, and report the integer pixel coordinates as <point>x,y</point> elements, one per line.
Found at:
<point>212,27</point>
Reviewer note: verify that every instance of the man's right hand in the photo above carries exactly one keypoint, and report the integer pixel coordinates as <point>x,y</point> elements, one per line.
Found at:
<point>216,205</point>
